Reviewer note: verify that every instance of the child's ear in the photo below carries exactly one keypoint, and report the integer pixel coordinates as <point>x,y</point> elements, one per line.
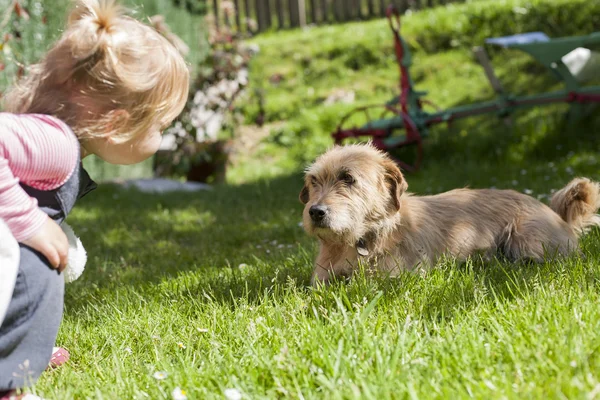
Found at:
<point>116,118</point>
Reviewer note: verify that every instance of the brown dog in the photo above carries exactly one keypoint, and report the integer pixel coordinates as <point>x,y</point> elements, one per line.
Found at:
<point>358,208</point>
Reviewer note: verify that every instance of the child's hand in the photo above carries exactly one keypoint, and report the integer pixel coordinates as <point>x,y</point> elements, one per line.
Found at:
<point>52,242</point>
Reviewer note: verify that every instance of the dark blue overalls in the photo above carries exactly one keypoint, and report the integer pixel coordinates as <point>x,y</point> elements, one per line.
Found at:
<point>28,332</point>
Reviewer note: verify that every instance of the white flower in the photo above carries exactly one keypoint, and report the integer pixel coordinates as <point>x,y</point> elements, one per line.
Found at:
<point>527,191</point>
<point>181,345</point>
<point>243,77</point>
<point>178,394</point>
<point>233,394</point>
<point>253,48</point>
<point>128,350</point>
<point>515,182</point>
<point>199,98</point>
<point>202,330</point>
<point>160,375</point>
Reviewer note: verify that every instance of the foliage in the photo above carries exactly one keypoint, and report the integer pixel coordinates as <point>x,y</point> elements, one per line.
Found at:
<point>210,114</point>
<point>315,63</point>
<point>468,25</point>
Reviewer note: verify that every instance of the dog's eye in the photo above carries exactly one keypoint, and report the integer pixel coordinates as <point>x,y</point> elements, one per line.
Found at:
<point>346,178</point>
<point>313,180</point>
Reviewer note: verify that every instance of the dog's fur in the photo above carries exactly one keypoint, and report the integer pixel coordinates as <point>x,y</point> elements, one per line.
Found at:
<point>370,216</point>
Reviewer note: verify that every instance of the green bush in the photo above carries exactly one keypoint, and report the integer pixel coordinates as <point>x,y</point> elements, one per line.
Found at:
<point>471,23</point>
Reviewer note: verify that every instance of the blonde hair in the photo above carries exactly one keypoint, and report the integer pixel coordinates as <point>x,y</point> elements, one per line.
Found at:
<point>105,62</point>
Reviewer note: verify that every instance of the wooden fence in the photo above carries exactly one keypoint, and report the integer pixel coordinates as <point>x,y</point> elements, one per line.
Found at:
<point>261,15</point>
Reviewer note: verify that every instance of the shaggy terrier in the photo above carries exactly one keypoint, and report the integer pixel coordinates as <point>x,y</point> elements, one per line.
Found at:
<point>356,204</point>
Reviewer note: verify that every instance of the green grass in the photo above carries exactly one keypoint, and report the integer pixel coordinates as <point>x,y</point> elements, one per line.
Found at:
<point>225,273</point>
<point>163,267</point>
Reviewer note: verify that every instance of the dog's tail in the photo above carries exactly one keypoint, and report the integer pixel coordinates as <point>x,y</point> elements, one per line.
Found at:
<point>577,204</point>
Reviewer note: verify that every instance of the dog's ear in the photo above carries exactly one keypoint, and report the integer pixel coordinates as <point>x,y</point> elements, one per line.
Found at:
<point>395,182</point>
<point>304,194</point>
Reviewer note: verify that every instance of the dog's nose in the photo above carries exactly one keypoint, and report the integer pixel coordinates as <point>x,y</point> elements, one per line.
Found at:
<point>317,212</point>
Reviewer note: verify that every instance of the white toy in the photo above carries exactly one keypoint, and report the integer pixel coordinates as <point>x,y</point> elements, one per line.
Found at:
<point>10,255</point>
<point>77,255</point>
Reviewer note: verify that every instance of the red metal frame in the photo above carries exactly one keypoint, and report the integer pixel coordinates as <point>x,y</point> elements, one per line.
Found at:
<point>410,117</point>
<point>413,136</point>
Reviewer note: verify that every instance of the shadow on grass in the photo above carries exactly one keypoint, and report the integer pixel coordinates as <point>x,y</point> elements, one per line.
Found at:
<point>134,238</point>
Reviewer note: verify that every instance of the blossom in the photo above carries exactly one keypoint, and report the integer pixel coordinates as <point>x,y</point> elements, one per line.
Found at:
<point>233,394</point>
<point>178,394</point>
<point>160,375</point>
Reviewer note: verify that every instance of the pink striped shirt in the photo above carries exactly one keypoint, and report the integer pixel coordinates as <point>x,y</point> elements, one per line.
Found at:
<point>39,151</point>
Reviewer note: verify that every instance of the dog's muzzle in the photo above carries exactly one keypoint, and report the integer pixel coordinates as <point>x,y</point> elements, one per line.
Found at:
<point>318,213</point>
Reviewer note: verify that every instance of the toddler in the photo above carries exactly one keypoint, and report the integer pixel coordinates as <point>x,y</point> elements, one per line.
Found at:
<point>108,87</point>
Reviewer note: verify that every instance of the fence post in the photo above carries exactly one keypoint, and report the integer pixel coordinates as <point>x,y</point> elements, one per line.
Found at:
<point>324,11</point>
<point>236,4</point>
<point>248,16</point>
<point>370,8</point>
<point>302,13</point>
<point>338,10</point>
<point>294,15</point>
<point>216,12</point>
<point>404,5</point>
<point>355,12</point>
<point>261,15</point>
<point>279,9</point>
<point>347,9</point>
<point>382,7</point>
<point>313,11</point>
<point>268,15</point>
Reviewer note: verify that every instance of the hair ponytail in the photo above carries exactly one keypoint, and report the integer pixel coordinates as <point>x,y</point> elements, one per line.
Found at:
<point>90,24</point>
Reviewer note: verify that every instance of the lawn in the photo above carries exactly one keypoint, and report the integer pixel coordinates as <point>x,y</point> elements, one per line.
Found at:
<point>212,289</point>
